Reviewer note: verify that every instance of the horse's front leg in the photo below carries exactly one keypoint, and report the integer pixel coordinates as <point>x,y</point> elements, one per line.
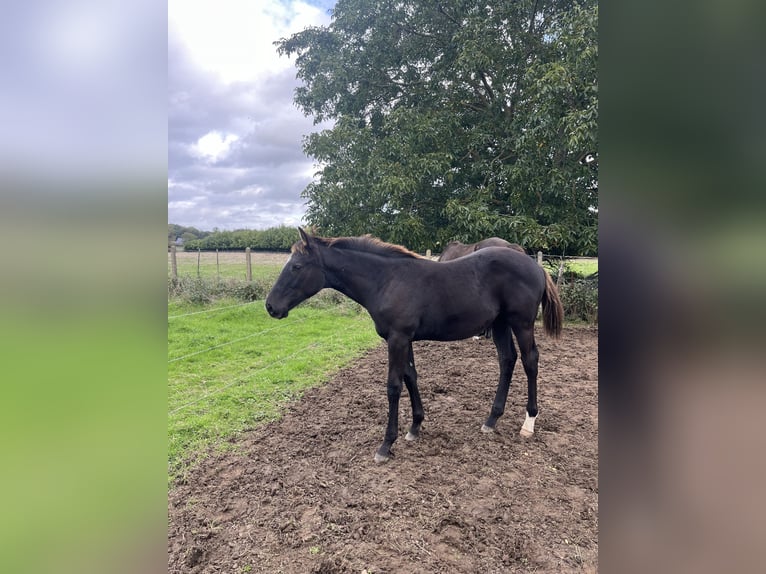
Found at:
<point>397,357</point>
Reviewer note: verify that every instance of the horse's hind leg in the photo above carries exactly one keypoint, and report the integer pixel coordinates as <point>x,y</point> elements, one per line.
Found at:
<point>529,357</point>
<point>411,380</point>
<point>506,356</point>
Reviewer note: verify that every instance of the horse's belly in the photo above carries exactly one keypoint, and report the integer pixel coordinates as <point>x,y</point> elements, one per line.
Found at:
<point>452,327</point>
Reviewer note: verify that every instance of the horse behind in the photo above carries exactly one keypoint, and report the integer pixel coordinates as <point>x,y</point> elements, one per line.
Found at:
<point>412,298</point>
<point>456,249</point>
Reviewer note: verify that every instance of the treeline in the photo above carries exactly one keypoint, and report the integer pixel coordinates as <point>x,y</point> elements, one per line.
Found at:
<point>176,232</point>
<point>272,239</point>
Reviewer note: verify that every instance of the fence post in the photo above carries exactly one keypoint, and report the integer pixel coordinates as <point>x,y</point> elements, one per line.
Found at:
<point>249,265</point>
<point>199,252</point>
<point>428,253</point>
<point>173,263</point>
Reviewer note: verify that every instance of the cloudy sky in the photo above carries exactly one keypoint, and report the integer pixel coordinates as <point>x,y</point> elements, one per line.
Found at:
<point>234,135</point>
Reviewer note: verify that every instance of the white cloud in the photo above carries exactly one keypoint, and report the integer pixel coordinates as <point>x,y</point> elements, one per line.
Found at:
<point>180,205</point>
<point>234,135</point>
<point>234,38</point>
<point>214,145</point>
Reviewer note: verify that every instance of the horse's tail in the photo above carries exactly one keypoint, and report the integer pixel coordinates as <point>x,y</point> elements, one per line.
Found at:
<point>553,310</point>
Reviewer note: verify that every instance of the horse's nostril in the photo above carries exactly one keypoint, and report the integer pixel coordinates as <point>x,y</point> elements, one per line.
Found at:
<point>268,308</point>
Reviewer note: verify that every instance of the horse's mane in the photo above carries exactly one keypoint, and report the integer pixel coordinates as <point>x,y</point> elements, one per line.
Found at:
<point>366,243</point>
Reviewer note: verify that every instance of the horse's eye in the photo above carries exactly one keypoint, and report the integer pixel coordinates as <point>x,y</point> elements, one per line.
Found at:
<point>296,266</point>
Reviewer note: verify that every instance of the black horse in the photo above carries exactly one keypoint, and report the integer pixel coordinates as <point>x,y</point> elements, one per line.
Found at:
<point>456,249</point>
<point>412,298</point>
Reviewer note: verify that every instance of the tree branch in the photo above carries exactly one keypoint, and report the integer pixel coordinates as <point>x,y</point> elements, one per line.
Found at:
<point>415,32</point>
<point>532,19</point>
<point>443,11</point>
<point>487,87</point>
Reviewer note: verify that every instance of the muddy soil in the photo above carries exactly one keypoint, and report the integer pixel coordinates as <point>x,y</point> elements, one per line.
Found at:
<point>303,494</point>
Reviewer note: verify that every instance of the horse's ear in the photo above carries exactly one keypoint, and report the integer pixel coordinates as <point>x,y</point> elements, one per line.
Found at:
<point>304,237</point>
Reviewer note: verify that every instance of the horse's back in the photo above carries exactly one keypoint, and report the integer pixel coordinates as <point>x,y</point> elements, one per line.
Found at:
<point>465,296</point>
<point>487,270</point>
<point>498,242</point>
<point>455,250</point>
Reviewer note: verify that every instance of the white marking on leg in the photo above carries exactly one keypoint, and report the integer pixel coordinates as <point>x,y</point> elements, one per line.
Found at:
<point>380,459</point>
<point>485,428</point>
<point>528,428</point>
<point>476,338</point>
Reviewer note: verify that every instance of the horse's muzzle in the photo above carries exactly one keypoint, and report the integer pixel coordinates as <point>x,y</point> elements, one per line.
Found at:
<point>274,313</point>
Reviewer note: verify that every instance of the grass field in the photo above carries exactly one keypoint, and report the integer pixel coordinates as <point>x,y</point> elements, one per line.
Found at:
<point>228,264</point>
<point>231,366</point>
<point>583,266</point>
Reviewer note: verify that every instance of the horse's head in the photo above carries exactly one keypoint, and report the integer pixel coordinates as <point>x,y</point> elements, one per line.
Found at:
<point>301,277</point>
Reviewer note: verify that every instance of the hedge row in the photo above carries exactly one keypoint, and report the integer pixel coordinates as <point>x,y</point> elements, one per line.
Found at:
<point>272,239</point>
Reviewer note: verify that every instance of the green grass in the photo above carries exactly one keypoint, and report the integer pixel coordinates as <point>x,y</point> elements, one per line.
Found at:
<point>227,265</point>
<point>582,267</point>
<point>231,367</point>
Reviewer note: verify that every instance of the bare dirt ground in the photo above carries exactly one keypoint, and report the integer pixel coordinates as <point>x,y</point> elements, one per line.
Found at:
<point>303,494</point>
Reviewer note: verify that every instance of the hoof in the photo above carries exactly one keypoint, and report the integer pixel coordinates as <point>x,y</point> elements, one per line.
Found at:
<point>485,428</point>
<point>528,428</point>
<point>379,458</point>
<point>411,437</point>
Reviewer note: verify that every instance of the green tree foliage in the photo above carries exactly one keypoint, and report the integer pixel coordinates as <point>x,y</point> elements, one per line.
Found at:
<point>272,239</point>
<point>186,233</point>
<point>453,119</point>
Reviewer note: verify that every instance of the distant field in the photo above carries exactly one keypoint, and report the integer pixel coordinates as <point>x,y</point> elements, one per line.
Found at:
<point>583,266</point>
<point>230,264</point>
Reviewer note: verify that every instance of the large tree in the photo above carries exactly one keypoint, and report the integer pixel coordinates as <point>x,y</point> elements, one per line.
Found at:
<point>453,119</point>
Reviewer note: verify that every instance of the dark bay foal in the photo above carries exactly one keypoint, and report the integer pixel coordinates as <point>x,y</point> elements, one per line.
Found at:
<point>412,298</point>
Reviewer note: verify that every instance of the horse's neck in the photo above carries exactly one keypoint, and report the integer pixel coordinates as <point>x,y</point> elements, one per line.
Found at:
<point>356,274</point>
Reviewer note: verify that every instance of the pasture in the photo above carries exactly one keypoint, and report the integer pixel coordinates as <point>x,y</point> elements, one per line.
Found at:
<point>230,367</point>
<point>272,473</point>
<point>227,264</point>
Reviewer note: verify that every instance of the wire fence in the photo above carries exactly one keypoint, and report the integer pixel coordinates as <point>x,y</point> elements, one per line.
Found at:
<point>243,380</point>
<point>281,326</point>
<point>327,342</point>
<point>212,310</point>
